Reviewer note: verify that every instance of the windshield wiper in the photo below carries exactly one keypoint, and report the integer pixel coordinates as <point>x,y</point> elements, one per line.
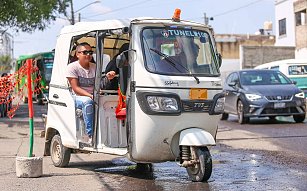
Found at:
<point>172,62</point>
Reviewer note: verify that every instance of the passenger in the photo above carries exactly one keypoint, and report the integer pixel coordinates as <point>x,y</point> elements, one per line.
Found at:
<point>81,77</point>
<point>112,68</point>
<point>176,63</point>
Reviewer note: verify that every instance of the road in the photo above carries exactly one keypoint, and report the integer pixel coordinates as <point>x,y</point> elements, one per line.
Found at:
<point>262,155</point>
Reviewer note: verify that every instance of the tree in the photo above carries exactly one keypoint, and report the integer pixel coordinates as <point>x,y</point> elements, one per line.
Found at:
<point>30,15</point>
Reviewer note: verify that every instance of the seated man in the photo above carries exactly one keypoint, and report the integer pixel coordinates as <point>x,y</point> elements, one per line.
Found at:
<point>81,77</point>
<point>111,67</point>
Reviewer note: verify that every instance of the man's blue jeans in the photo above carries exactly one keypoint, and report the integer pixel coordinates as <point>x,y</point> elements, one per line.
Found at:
<point>86,104</point>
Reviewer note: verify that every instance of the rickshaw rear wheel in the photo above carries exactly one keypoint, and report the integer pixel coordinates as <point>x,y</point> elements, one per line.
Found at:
<point>60,155</point>
<point>24,99</point>
<point>224,116</point>
<point>299,118</point>
<point>144,167</point>
<point>201,171</point>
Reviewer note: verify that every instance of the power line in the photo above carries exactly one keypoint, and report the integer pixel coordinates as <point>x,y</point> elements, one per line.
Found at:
<point>115,10</point>
<point>236,9</point>
<point>226,12</point>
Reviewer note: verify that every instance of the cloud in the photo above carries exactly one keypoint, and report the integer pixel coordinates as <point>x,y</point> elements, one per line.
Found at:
<point>100,9</point>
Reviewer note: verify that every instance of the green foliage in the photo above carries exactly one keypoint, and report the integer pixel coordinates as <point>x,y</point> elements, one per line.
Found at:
<point>5,63</point>
<point>30,15</point>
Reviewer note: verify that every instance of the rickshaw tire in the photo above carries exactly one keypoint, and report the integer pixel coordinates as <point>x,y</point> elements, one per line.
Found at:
<point>60,155</point>
<point>224,116</point>
<point>25,99</point>
<point>204,171</point>
<point>147,167</point>
<point>299,118</point>
<point>40,102</point>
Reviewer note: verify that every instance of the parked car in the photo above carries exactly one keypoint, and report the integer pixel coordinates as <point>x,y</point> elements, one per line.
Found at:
<point>262,93</point>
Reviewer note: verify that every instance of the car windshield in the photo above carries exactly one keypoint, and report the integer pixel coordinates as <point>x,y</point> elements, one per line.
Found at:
<point>176,51</point>
<point>263,77</point>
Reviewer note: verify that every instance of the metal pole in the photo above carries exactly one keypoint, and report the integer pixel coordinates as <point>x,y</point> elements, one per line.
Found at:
<point>72,13</point>
<point>30,105</point>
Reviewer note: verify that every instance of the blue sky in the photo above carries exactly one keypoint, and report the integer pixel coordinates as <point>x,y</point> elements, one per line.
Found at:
<point>230,17</point>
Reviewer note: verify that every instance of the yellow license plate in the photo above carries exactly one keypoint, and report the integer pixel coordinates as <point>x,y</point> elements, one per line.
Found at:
<point>198,93</point>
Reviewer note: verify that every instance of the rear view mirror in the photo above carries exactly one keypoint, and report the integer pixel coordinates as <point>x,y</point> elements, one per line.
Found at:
<point>121,59</point>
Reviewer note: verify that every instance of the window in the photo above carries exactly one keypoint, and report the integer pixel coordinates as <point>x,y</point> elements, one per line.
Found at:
<point>179,51</point>
<point>282,27</point>
<point>275,68</point>
<point>297,70</point>
<point>300,18</point>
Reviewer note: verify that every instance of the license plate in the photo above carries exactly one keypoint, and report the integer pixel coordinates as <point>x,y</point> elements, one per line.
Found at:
<point>198,93</point>
<point>279,105</point>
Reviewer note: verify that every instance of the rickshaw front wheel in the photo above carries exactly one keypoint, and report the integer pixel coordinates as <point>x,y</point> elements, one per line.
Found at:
<point>60,155</point>
<point>201,171</point>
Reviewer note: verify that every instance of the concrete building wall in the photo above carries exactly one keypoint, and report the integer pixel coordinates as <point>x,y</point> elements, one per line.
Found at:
<point>252,56</point>
<point>284,10</point>
<point>300,10</point>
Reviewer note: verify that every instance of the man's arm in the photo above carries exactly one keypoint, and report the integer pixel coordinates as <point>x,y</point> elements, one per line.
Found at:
<point>77,89</point>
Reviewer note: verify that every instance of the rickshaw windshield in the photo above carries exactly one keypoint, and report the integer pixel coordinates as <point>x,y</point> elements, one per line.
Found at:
<point>47,69</point>
<point>179,52</point>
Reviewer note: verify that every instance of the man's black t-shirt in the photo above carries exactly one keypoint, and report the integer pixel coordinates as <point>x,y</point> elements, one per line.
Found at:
<point>113,84</point>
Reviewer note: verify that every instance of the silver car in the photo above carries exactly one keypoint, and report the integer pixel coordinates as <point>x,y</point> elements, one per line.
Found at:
<point>262,93</point>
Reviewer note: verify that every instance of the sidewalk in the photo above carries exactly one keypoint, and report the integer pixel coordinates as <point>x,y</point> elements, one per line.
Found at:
<point>14,141</point>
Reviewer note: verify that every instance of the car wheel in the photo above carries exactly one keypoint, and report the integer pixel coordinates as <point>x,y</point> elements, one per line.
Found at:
<point>299,118</point>
<point>240,112</point>
<point>224,116</point>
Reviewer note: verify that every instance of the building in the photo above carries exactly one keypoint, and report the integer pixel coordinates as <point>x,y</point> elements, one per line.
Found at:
<point>6,44</point>
<point>300,7</point>
<point>284,23</point>
<point>291,28</point>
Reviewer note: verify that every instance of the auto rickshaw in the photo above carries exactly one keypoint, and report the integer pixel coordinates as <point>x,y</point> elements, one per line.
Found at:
<point>171,107</point>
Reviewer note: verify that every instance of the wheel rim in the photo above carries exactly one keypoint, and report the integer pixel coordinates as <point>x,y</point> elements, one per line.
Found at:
<point>56,154</point>
<point>194,169</point>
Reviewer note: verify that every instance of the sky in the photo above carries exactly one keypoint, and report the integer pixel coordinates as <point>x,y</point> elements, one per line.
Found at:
<point>229,17</point>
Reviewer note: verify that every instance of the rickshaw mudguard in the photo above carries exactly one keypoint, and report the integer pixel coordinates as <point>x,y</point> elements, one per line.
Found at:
<point>196,137</point>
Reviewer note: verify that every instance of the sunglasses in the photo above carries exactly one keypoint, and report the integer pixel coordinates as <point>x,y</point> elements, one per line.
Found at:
<point>86,52</point>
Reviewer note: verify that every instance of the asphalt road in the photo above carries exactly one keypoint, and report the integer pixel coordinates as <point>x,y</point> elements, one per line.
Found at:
<point>262,155</point>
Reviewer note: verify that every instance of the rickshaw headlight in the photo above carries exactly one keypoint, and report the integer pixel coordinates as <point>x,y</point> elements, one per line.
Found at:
<point>157,103</point>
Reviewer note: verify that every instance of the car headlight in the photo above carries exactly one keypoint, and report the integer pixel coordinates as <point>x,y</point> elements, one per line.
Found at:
<point>157,103</point>
<point>253,97</point>
<point>300,95</point>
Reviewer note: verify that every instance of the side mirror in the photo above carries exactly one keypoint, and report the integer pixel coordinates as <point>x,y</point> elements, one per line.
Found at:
<point>294,82</point>
<point>232,84</point>
<point>219,59</point>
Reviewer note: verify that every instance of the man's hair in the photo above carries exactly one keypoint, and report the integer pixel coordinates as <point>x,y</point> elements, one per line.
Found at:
<point>82,45</point>
<point>123,48</point>
<point>195,47</point>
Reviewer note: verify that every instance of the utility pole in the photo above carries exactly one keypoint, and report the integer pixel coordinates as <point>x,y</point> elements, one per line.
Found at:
<point>206,19</point>
<point>72,21</point>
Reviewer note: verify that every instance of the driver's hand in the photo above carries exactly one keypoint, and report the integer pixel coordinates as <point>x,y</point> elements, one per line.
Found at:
<point>110,75</point>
